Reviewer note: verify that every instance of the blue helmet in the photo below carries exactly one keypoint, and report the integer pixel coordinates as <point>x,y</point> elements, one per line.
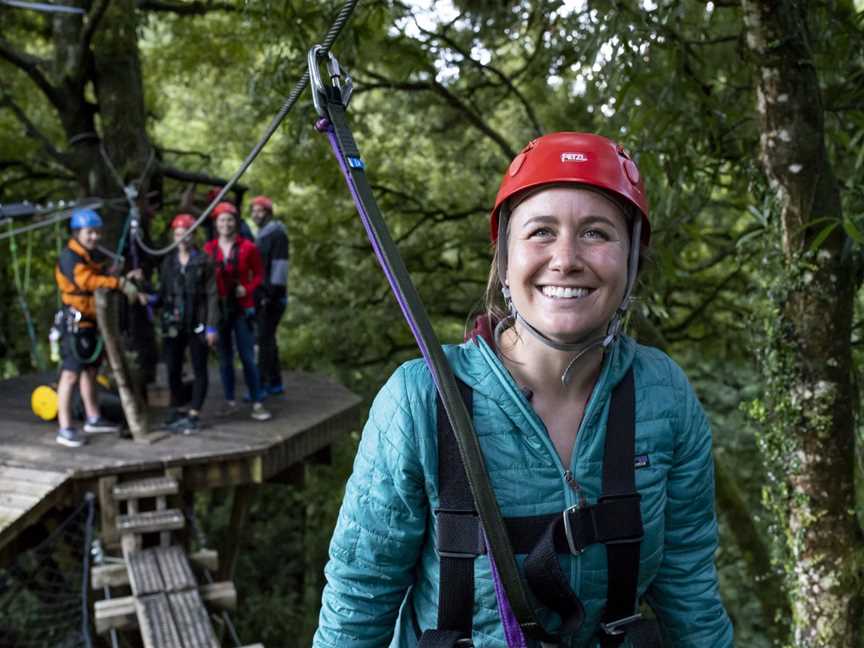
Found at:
<point>82,218</point>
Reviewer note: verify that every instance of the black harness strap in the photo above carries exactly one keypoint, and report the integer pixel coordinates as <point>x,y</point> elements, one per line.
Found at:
<point>619,486</point>
<point>615,521</point>
<point>457,523</point>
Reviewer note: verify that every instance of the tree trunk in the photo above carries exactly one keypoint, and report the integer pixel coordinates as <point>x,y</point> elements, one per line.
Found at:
<point>122,109</point>
<point>808,444</point>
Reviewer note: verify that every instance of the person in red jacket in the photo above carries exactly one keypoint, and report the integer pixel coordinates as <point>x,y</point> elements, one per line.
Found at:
<point>238,273</point>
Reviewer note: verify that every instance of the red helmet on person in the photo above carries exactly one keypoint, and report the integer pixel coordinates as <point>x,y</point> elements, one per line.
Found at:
<point>582,158</point>
<point>223,208</point>
<point>264,202</point>
<point>182,220</point>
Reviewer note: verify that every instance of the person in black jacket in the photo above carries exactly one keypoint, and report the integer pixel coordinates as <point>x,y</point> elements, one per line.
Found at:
<point>272,297</point>
<point>190,318</point>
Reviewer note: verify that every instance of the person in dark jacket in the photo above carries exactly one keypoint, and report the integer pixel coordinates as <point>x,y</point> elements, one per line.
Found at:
<point>190,318</point>
<point>238,276</point>
<point>272,296</point>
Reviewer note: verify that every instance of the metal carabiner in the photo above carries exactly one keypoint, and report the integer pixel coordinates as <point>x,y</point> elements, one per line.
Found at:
<point>341,81</point>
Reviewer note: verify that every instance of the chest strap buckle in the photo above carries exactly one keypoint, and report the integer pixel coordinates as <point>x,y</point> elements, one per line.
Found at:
<point>614,519</point>
<point>613,628</point>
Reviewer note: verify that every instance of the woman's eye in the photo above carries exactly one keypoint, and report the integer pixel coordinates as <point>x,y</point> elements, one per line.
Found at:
<point>596,234</point>
<point>541,232</point>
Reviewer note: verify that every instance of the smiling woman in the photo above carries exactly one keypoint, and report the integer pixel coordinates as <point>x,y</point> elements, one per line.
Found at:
<point>597,449</point>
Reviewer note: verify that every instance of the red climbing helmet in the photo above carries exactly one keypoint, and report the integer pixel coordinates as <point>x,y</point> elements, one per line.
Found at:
<point>223,208</point>
<point>574,157</point>
<point>182,220</point>
<point>264,202</point>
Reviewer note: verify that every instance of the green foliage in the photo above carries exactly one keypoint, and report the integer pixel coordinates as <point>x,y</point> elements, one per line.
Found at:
<point>445,93</point>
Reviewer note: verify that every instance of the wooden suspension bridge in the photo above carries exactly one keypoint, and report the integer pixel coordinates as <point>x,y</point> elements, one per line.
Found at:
<point>159,588</point>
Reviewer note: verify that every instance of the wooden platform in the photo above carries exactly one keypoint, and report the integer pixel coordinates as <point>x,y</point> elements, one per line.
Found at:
<point>36,472</point>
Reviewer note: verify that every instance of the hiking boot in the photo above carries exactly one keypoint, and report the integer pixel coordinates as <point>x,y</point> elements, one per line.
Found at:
<point>99,426</point>
<point>229,408</point>
<point>185,425</point>
<point>70,437</point>
<point>174,416</point>
<point>259,413</point>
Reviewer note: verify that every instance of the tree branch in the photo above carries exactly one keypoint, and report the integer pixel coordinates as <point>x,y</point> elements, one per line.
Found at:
<point>529,110</point>
<point>32,130</point>
<point>696,312</point>
<point>91,22</point>
<point>452,100</point>
<point>30,66</point>
<point>198,178</point>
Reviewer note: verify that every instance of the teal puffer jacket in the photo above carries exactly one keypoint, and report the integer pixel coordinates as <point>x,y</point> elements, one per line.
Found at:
<point>383,568</point>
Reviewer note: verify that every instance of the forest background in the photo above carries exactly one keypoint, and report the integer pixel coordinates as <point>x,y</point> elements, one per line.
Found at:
<point>745,118</point>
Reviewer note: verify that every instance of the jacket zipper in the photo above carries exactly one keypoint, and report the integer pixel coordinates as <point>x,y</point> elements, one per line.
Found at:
<point>577,489</point>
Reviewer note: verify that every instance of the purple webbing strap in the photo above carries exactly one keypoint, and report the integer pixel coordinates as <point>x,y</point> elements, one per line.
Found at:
<point>325,125</point>
<point>512,632</point>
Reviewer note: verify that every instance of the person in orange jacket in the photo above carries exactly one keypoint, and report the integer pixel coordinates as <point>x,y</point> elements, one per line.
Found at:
<point>79,273</point>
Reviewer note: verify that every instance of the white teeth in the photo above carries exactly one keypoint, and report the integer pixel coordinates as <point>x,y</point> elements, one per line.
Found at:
<point>560,292</point>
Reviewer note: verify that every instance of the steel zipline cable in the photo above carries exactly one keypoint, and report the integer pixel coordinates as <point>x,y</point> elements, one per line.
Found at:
<point>332,34</point>
<point>66,213</point>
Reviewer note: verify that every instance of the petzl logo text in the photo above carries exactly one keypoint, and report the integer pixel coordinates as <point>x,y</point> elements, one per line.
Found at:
<point>574,157</point>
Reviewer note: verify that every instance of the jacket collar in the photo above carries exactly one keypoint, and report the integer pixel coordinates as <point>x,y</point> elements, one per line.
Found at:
<point>478,366</point>
<point>79,249</point>
<point>270,226</point>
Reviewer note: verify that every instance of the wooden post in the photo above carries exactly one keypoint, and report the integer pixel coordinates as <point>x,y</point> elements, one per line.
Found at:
<point>108,511</point>
<point>136,414</point>
<point>231,548</point>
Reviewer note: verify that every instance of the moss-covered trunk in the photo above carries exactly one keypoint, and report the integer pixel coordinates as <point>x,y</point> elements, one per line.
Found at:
<point>809,437</point>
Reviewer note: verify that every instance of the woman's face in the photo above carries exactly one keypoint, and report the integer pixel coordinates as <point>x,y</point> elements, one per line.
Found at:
<point>567,252</point>
<point>179,233</point>
<point>226,224</point>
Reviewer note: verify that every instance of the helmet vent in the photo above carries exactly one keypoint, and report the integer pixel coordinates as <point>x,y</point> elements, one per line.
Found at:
<point>631,171</point>
<point>516,164</point>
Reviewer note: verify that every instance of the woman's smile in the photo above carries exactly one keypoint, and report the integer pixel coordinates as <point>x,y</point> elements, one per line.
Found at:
<point>567,262</point>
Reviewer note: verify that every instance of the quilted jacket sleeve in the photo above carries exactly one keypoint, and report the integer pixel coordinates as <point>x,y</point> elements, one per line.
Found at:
<point>684,594</point>
<point>380,529</point>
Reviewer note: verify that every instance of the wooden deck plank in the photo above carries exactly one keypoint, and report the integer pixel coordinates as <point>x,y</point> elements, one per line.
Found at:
<point>156,623</point>
<point>13,473</point>
<point>145,577</point>
<point>150,521</point>
<point>193,622</point>
<point>26,495</point>
<point>175,568</point>
<point>230,451</point>
<point>149,487</point>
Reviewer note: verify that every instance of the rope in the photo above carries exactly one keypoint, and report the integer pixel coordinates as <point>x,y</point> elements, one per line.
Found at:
<point>22,289</point>
<point>41,590</point>
<point>43,6</point>
<point>65,215</point>
<point>130,192</point>
<point>89,502</point>
<point>332,34</point>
